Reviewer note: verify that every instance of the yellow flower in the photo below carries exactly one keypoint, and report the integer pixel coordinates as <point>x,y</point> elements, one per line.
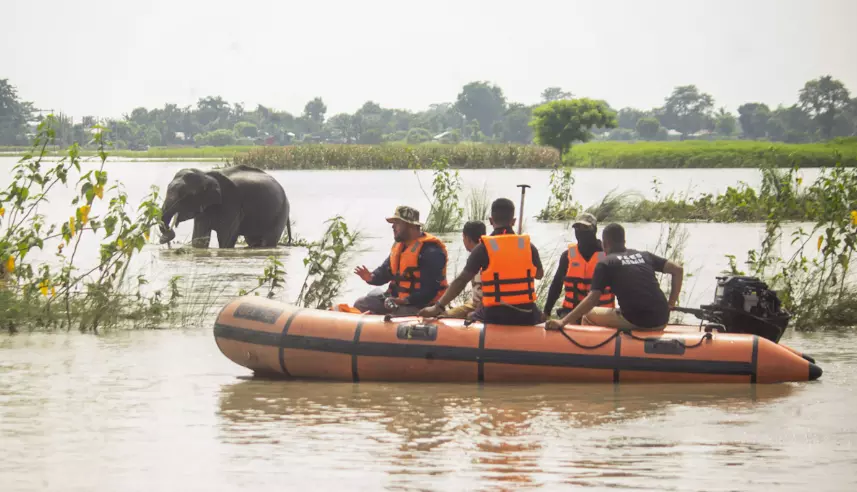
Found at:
<point>84,214</point>
<point>71,225</point>
<point>799,181</point>
<point>820,240</point>
<point>43,287</point>
<point>120,243</point>
<point>146,235</point>
<point>10,264</point>
<point>854,217</point>
<point>2,211</point>
<point>99,191</point>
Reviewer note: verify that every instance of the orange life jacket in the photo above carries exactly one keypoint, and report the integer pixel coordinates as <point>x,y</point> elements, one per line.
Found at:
<point>404,264</point>
<point>510,276</point>
<point>578,279</point>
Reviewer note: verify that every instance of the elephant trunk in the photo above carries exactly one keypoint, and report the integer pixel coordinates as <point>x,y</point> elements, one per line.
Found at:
<point>168,212</point>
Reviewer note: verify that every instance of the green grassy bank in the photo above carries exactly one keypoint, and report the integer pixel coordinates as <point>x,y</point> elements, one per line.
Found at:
<point>628,155</point>
<point>711,154</point>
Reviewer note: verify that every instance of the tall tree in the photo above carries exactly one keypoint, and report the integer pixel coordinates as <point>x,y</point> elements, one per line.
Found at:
<point>560,123</point>
<point>342,124</point>
<point>687,110</point>
<point>555,94</point>
<point>482,102</point>
<point>791,124</point>
<point>516,124</point>
<point>314,111</point>
<point>648,128</point>
<point>725,123</point>
<point>14,114</point>
<point>628,118</point>
<point>754,119</point>
<point>824,98</point>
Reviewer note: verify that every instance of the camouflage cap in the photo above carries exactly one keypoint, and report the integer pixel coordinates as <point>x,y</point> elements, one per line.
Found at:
<point>586,219</point>
<point>407,215</point>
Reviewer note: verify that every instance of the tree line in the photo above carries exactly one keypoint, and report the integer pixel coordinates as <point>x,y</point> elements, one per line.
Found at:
<point>481,113</point>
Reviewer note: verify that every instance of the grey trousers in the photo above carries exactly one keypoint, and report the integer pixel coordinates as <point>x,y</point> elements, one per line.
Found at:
<point>374,303</point>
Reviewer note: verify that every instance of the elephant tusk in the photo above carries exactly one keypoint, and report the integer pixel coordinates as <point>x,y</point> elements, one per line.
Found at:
<point>173,221</point>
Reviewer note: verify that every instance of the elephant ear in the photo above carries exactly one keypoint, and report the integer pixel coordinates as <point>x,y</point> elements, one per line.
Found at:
<point>225,187</point>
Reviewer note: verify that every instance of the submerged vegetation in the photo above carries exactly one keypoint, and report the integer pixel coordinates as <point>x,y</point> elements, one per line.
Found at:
<point>62,294</point>
<point>445,213</point>
<point>327,262</point>
<point>814,282</point>
<point>561,205</point>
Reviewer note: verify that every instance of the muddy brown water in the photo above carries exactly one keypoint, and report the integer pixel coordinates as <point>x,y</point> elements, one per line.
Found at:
<point>165,410</point>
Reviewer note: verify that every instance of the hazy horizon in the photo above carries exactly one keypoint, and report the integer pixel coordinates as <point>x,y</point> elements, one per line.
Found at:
<point>118,55</point>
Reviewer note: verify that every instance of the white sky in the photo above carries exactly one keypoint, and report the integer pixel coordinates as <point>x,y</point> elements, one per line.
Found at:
<point>106,57</point>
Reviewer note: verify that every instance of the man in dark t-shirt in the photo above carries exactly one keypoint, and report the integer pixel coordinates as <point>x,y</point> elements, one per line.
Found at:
<point>631,276</point>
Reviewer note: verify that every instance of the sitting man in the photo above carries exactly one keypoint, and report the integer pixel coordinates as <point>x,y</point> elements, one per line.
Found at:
<point>631,276</point>
<point>576,267</point>
<point>415,269</point>
<point>509,266</point>
<point>471,236</point>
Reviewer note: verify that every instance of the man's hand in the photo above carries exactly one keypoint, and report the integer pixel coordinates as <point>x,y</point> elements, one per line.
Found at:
<point>397,301</point>
<point>363,273</point>
<point>430,312</point>
<point>554,324</point>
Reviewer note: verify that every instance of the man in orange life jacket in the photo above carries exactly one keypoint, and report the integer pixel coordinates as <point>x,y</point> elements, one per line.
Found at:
<point>509,266</point>
<point>576,267</point>
<point>415,269</point>
<point>631,276</point>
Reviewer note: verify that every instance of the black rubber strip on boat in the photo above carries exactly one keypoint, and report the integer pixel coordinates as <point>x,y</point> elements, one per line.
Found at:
<point>754,360</point>
<point>355,377</point>
<point>282,341</point>
<point>618,356</point>
<point>481,365</point>
<point>520,357</point>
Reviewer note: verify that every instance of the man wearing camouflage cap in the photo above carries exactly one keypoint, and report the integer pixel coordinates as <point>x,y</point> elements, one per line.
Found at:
<point>576,267</point>
<point>415,269</point>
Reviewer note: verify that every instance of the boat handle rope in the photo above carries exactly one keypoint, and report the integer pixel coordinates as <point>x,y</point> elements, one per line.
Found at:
<point>705,336</point>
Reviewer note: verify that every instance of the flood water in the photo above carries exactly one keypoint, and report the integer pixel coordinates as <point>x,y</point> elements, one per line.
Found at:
<point>165,410</point>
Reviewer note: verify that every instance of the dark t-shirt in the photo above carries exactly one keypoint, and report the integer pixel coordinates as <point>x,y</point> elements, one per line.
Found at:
<point>503,315</point>
<point>631,276</point>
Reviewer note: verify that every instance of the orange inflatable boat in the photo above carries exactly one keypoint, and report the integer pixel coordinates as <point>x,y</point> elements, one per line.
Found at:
<point>275,339</point>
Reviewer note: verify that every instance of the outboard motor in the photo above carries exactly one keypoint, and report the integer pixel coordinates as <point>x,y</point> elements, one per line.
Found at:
<point>745,304</point>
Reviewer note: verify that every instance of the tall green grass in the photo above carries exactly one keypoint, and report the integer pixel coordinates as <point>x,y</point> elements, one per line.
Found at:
<point>398,156</point>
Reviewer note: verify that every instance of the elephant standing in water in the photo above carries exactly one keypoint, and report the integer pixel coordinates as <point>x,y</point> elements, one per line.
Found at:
<point>235,201</point>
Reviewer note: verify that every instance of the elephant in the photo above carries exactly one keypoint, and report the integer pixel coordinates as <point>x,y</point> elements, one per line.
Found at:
<point>235,201</point>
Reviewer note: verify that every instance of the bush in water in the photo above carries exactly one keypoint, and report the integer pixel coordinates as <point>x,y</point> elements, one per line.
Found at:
<point>445,214</point>
<point>561,205</point>
<point>326,263</point>
<point>61,296</point>
<point>814,285</point>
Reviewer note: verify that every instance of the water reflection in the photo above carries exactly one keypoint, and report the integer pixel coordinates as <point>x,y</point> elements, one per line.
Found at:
<point>522,434</point>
